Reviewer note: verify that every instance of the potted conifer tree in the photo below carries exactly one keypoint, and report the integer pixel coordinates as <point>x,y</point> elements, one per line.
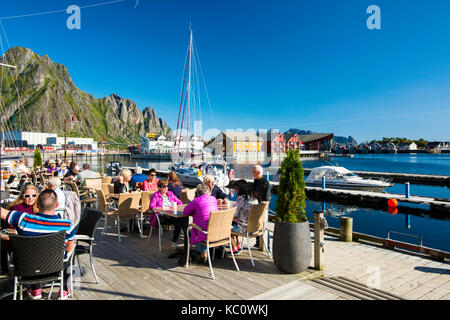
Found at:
<point>291,239</point>
<point>37,159</point>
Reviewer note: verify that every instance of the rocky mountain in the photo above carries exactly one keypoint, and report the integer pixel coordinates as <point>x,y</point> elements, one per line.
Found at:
<point>39,95</point>
<point>345,140</point>
<point>299,132</point>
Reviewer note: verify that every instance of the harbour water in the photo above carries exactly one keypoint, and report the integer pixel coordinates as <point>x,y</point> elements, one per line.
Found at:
<point>435,231</point>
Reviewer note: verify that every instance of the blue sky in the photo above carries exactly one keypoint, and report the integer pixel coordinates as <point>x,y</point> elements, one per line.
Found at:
<point>311,65</point>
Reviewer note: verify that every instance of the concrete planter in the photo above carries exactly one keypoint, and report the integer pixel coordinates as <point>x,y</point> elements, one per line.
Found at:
<point>292,246</point>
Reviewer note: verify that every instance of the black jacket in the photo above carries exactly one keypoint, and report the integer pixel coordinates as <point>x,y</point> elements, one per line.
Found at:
<point>218,193</point>
<point>121,188</point>
<point>262,189</point>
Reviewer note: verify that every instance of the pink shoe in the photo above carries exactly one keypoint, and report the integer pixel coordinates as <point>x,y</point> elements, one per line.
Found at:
<point>35,294</point>
<point>65,294</point>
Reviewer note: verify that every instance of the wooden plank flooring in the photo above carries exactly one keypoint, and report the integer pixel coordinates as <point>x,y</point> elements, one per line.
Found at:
<point>136,269</point>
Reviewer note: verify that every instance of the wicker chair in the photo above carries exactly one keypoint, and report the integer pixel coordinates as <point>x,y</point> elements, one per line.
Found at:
<point>92,183</point>
<point>218,234</point>
<point>105,207</point>
<point>145,204</point>
<point>151,227</point>
<point>38,259</point>
<point>187,195</point>
<point>255,226</point>
<point>111,188</point>
<point>105,189</point>
<point>107,180</point>
<point>127,208</point>
<point>43,181</point>
<point>86,230</point>
<point>34,178</point>
<point>84,196</point>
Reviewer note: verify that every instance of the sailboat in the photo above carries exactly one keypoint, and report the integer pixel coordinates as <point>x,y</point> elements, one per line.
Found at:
<point>189,158</point>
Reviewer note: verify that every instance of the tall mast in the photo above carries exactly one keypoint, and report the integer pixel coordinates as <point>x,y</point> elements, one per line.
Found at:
<point>189,88</point>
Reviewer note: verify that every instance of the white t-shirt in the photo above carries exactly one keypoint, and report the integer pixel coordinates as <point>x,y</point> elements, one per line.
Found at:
<point>61,199</point>
<point>22,169</point>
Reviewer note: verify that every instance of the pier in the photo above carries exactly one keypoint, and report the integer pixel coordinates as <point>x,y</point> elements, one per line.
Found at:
<point>136,270</point>
<point>425,179</point>
<point>378,199</point>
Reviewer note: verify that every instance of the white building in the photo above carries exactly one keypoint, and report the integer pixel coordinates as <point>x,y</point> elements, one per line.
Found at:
<point>41,138</point>
<point>60,141</point>
<point>407,146</point>
<point>33,138</point>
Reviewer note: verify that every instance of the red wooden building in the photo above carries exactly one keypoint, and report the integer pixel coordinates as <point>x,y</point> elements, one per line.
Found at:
<point>293,142</point>
<point>319,141</point>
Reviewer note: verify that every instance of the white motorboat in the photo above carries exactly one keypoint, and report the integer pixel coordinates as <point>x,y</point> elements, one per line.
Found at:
<point>341,178</point>
<point>114,166</point>
<point>193,175</point>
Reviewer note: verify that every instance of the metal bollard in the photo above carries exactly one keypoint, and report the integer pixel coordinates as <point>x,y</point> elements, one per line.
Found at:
<point>407,190</point>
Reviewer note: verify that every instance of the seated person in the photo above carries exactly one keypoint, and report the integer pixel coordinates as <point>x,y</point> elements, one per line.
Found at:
<point>58,163</point>
<point>176,187</point>
<point>86,173</point>
<point>51,167</point>
<point>214,190</point>
<point>44,222</point>
<point>151,184</point>
<point>165,198</point>
<point>200,209</point>
<point>55,185</point>
<point>243,203</point>
<point>122,184</point>
<point>26,201</point>
<point>72,174</point>
<point>174,184</point>
<point>22,169</point>
<point>61,172</point>
<point>138,177</point>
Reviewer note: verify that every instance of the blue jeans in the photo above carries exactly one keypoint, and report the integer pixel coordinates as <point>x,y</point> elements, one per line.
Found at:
<point>200,247</point>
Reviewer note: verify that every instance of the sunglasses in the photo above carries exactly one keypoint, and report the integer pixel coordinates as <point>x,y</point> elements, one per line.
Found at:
<point>164,186</point>
<point>153,175</point>
<point>27,196</point>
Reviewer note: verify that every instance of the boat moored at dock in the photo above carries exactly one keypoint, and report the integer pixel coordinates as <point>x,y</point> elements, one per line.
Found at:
<point>341,178</point>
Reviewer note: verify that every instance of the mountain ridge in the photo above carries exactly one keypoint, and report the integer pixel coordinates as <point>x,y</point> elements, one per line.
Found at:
<point>43,95</point>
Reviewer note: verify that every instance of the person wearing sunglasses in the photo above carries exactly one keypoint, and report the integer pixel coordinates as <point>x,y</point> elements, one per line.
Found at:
<point>165,198</point>
<point>151,184</point>
<point>26,201</point>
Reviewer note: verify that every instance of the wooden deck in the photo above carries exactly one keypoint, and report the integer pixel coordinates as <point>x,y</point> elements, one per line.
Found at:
<point>136,269</point>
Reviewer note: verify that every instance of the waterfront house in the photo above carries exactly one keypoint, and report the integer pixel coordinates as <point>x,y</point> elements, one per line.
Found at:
<point>317,141</point>
<point>438,145</point>
<point>339,148</point>
<point>292,142</point>
<point>238,145</point>
<point>273,142</point>
<point>375,147</point>
<point>407,146</point>
<point>388,147</point>
<point>363,148</point>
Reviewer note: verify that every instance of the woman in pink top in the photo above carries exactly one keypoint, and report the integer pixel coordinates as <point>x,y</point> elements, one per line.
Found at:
<point>200,209</point>
<point>160,198</point>
<point>151,184</point>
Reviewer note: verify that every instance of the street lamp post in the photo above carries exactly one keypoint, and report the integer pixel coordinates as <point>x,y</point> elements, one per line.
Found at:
<point>73,119</point>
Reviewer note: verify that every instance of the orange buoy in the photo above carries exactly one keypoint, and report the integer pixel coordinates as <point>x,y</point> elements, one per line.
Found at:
<point>392,203</point>
<point>392,210</point>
